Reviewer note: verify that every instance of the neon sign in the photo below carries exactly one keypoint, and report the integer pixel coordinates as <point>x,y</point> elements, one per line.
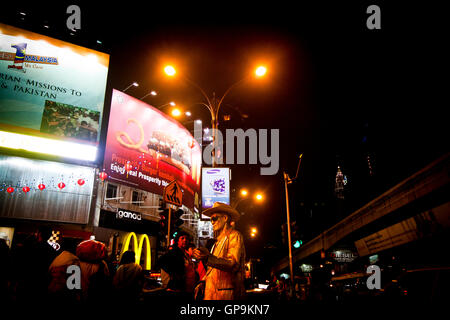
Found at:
<point>128,214</point>
<point>138,248</point>
<point>48,146</point>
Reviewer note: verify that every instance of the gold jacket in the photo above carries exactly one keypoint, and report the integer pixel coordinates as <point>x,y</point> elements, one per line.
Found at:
<point>225,275</point>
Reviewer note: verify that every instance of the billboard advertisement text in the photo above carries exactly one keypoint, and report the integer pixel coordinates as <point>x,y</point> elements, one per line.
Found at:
<point>215,186</point>
<point>50,88</point>
<point>147,149</point>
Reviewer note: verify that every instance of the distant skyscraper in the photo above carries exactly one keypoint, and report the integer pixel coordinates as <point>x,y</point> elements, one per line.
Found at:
<point>340,182</point>
<point>370,164</point>
<point>367,147</point>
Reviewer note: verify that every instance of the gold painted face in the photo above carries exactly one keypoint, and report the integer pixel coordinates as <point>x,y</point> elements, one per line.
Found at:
<point>218,221</point>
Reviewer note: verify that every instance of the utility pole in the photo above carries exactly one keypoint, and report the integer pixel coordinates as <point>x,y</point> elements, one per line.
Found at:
<point>168,226</point>
<point>287,181</point>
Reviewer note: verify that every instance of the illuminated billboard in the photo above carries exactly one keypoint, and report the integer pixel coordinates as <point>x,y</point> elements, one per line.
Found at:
<point>147,149</point>
<point>215,186</point>
<point>51,90</point>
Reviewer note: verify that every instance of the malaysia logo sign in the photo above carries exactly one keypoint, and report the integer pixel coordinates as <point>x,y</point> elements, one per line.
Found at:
<point>20,56</point>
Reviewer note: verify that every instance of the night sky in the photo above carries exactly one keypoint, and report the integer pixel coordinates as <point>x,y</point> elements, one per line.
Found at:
<point>336,90</point>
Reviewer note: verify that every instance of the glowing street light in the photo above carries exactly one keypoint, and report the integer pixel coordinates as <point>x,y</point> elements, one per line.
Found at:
<point>134,84</point>
<point>176,112</point>
<point>244,195</point>
<point>259,197</point>
<point>254,230</point>
<point>260,71</point>
<point>170,71</point>
<point>173,104</point>
<point>153,93</point>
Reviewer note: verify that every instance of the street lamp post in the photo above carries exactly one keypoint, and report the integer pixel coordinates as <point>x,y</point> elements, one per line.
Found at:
<point>166,104</point>
<point>259,198</point>
<point>214,104</point>
<point>153,93</point>
<point>135,84</point>
<point>287,181</point>
<point>175,112</point>
<point>238,202</point>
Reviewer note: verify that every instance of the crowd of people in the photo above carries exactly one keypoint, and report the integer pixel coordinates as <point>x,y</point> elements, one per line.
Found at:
<point>39,270</point>
<point>33,271</point>
<point>303,289</point>
<point>284,290</point>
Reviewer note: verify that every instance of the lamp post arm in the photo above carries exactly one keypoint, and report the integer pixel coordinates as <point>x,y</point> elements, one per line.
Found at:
<point>234,108</point>
<point>164,105</point>
<point>199,88</point>
<point>145,96</point>
<point>290,180</point>
<point>127,88</point>
<point>298,167</point>
<point>226,93</point>
<point>204,104</point>
<point>237,202</point>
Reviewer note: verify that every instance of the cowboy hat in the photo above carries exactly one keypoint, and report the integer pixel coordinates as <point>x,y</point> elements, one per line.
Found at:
<point>220,207</point>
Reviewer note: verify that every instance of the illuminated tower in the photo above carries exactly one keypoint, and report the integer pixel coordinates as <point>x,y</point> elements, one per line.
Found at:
<point>339,185</point>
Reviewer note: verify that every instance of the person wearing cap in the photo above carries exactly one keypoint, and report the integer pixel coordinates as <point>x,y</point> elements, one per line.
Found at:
<point>224,279</point>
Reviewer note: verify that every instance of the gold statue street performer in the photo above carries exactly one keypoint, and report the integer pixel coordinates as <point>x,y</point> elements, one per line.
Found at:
<point>224,279</point>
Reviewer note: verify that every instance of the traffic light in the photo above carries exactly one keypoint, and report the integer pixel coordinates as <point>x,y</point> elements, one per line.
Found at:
<point>164,217</point>
<point>294,231</point>
<point>176,220</point>
<point>295,235</point>
<point>297,244</point>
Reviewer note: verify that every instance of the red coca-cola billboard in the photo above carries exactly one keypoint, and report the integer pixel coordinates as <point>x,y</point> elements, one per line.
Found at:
<point>147,149</point>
